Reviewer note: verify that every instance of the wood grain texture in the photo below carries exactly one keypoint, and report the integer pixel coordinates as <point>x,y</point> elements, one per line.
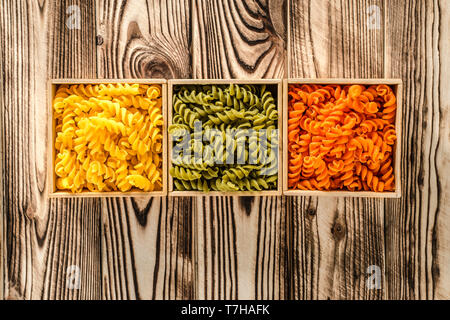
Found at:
<point>43,238</point>
<point>2,208</point>
<point>417,237</point>
<point>147,243</point>
<point>241,242</point>
<point>241,248</point>
<point>144,39</point>
<point>335,240</point>
<point>2,173</point>
<point>225,247</point>
<point>441,237</point>
<point>147,248</point>
<point>239,39</point>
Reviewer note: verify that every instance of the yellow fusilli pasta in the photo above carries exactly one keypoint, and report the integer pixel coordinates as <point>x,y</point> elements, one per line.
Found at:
<point>108,137</point>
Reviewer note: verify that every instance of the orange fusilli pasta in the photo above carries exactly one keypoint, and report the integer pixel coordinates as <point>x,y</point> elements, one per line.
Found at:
<point>341,137</point>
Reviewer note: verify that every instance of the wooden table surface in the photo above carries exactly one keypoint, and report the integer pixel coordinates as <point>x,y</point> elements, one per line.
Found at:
<point>225,247</point>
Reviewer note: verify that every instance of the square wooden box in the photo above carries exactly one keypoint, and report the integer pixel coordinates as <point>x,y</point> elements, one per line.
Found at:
<point>396,84</point>
<point>274,82</point>
<point>53,193</point>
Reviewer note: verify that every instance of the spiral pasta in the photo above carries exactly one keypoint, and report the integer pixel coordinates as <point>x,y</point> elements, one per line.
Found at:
<point>232,138</point>
<point>108,137</point>
<point>341,137</point>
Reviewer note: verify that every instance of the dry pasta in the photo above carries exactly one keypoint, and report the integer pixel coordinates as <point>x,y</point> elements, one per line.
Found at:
<point>236,140</point>
<point>341,137</point>
<point>108,137</point>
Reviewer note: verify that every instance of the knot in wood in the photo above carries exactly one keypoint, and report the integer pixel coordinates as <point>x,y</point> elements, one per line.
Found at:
<point>99,40</point>
<point>338,231</point>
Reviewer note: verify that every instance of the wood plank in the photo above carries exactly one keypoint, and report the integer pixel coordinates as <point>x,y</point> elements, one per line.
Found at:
<point>417,238</point>
<point>442,105</point>
<point>43,238</point>
<point>147,243</point>
<point>75,242</point>
<point>2,173</point>
<point>239,39</point>
<point>242,248</point>
<point>241,242</point>
<point>2,209</point>
<point>146,39</point>
<point>335,240</point>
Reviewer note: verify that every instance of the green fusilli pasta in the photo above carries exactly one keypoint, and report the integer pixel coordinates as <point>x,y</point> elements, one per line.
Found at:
<point>225,138</point>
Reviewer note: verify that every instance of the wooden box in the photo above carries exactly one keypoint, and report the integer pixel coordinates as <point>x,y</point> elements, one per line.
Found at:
<point>278,98</point>
<point>396,85</point>
<point>53,193</point>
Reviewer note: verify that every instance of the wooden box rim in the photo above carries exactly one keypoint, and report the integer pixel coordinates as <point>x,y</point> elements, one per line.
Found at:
<point>279,190</point>
<point>52,193</point>
<point>398,86</point>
